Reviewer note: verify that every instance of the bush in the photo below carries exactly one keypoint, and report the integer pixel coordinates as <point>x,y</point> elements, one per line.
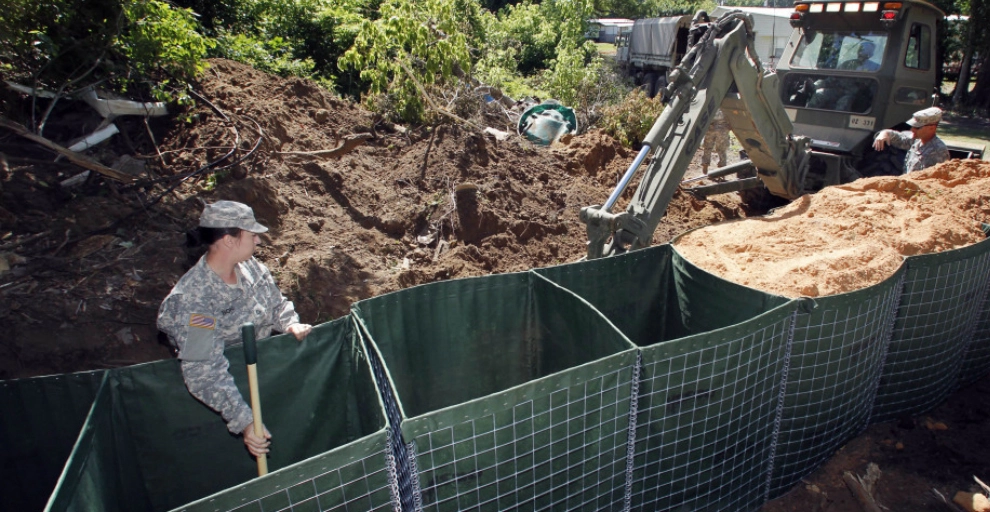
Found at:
<point>269,55</point>
<point>141,46</point>
<point>630,121</point>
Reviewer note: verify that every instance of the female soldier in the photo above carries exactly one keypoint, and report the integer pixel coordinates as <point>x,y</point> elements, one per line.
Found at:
<point>204,313</point>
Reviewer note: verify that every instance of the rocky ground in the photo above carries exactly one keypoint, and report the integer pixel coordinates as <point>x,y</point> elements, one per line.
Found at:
<point>357,207</point>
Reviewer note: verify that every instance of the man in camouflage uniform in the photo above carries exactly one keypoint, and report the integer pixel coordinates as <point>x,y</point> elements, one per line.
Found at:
<point>204,313</point>
<point>924,148</point>
<point>717,137</point>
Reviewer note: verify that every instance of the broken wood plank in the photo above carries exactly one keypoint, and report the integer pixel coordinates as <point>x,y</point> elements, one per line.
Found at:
<point>864,498</point>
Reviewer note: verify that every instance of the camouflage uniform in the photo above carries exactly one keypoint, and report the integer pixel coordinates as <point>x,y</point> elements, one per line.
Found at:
<point>203,315</point>
<point>717,137</point>
<point>919,156</point>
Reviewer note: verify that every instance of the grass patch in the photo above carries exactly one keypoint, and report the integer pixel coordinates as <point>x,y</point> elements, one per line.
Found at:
<point>965,131</point>
<point>606,48</point>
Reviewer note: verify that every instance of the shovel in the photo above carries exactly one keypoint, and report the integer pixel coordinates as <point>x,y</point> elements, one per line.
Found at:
<point>251,359</point>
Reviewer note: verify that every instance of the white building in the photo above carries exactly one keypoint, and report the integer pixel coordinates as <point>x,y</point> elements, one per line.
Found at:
<point>772,26</point>
<point>604,30</point>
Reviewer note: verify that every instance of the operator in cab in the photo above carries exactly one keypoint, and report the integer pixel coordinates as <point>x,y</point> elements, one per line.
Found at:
<point>862,62</point>
<point>204,312</point>
<point>924,148</point>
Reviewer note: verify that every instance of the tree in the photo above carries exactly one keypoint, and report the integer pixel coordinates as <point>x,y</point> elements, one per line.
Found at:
<point>412,45</point>
<point>979,16</point>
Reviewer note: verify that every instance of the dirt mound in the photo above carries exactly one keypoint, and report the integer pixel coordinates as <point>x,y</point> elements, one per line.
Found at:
<point>848,237</point>
<point>357,207</point>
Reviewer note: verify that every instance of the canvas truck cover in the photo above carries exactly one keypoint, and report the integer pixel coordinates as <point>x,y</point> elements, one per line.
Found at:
<point>653,40</point>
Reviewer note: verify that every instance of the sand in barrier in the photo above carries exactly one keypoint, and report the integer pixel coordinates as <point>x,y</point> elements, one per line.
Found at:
<point>848,237</point>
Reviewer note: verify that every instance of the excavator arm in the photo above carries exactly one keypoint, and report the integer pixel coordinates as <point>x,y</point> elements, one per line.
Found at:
<point>718,71</point>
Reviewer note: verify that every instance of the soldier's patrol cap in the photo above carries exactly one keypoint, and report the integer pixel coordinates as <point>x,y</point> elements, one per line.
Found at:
<point>230,214</point>
<point>925,117</point>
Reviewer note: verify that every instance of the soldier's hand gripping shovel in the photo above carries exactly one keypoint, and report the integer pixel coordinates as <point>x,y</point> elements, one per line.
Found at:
<point>251,359</point>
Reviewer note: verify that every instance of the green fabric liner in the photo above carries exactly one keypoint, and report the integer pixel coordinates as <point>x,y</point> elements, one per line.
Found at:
<point>633,290</point>
<point>355,469</point>
<point>708,302</point>
<point>707,414</point>
<point>40,421</point>
<point>95,476</point>
<point>316,396</point>
<point>451,342</point>
<point>534,436</point>
<point>938,313</point>
<point>976,361</point>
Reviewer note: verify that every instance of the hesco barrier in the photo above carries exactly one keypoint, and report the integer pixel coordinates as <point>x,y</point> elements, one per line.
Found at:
<point>514,393</point>
<point>637,382</point>
<point>148,445</point>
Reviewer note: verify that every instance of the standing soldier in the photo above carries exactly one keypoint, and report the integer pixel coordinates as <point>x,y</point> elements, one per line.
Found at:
<point>924,148</point>
<point>717,137</point>
<point>204,313</point>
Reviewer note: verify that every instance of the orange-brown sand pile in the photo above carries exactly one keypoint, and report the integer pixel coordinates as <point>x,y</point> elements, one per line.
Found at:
<point>848,237</point>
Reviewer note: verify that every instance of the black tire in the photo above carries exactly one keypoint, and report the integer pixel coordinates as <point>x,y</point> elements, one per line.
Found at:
<point>759,200</point>
<point>650,84</point>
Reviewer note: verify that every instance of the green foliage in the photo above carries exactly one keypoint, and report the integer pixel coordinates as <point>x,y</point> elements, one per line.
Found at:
<point>540,50</point>
<point>269,55</point>
<point>159,41</point>
<point>414,44</point>
<point>48,42</point>
<point>129,43</point>
<point>659,8</point>
<point>630,121</point>
<point>297,37</point>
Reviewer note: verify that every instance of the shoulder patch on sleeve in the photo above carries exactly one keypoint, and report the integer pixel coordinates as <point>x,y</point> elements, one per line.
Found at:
<point>202,321</point>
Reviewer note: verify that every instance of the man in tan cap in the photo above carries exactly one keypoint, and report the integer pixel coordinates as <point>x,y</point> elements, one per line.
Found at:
<point>924,148</point>
<point>204,312</point>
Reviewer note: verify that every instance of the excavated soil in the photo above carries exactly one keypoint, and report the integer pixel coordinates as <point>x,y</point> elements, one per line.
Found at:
<point>357,207</point>
<point>848,237</point>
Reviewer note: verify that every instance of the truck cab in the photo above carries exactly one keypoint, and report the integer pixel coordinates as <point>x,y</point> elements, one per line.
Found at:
<point>852,68</point>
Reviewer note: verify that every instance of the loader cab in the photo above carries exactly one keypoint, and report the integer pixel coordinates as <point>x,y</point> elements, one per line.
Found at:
<point>851,68</point>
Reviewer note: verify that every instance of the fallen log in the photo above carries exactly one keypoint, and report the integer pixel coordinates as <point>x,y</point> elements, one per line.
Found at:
<point>80,160</point>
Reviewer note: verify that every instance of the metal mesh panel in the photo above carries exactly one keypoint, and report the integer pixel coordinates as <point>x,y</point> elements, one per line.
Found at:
<point>398,456</point>
<point>707,416</point>
<point>562,447</point>
<point>935,322</point>
<point>836,358</point>
<point>976,361</point>
<point>321,484</point>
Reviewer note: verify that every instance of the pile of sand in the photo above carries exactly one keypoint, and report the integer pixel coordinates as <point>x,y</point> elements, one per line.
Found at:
<point>848,237</point>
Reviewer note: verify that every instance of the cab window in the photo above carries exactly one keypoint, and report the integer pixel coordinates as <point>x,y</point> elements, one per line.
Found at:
<point>847,51</point>
<point>919,47</point>
<point>827,92</point>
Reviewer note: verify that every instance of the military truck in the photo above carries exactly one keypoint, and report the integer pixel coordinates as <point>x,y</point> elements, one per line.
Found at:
<point>849,69</point>
<point>651,49</point>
